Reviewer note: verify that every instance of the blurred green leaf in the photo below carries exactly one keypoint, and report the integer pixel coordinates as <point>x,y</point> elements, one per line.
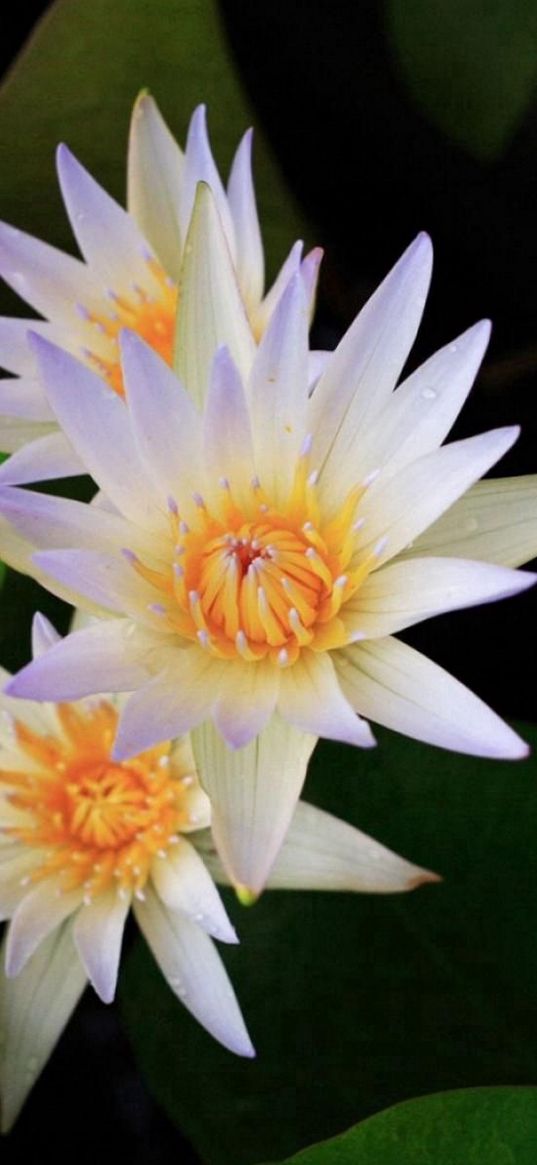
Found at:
<point>76,81</point>
<point>481,1126</point>
<point>357,1002</point>
<point>471,66</point>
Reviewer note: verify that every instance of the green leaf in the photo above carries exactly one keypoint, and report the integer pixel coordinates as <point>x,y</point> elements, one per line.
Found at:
<point>481,1126</point>
<point>76,81</point>
<point>357,1002</point>
<point>471,66</point>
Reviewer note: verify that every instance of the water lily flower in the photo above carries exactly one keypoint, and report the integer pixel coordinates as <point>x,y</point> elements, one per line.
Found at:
<point>129,277</point>
<point>262,544</point>
<point>84,839</point>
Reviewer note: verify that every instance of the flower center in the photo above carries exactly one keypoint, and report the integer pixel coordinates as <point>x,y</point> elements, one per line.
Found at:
<point>95,822</point>
<point>150,313</point>
<point>253,580</point>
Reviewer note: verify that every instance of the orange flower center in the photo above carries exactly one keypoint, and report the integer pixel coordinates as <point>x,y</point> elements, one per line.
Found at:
<point>151,315</point>
<point>95,822</point>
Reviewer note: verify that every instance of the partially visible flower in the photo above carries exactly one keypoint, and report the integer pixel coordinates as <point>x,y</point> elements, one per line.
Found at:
<point>130,277</point>
<point>263,543</point>
<point>84,838</point>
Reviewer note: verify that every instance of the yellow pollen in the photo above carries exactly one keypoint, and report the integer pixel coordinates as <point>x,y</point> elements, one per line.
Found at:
<point>151,316</point>
<point>252,580</point>
<point>97,822</point>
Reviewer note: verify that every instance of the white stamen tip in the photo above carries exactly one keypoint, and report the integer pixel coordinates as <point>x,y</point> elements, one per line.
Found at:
<point>193,598</point>
<point>203,637</point>
<point>163,762</point>
<point>224,482</point>
<point>187,781</point>
<point>341,581</point>
<point>172,505</point>
<point>255,483</point>
<point>371,477</point>
<point>184,528</point>
<point>82,311</point>
<point>310,553</point>
<point>380,547</point>
<point>156,608</point>
<point>357,636</point>
<point>283,657</point>
<point>139,894</point>
<point>129,554</point>
<point>313,477</point>
<point>305,448</point>
<point>307,527</point>
<point>178,570</point>
<point>198,500</point>
<point>359,524</point>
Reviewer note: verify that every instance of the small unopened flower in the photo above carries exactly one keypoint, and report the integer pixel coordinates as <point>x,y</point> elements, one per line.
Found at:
<point>129,277</point>
<point>85,838</point>
<point>262,543</point>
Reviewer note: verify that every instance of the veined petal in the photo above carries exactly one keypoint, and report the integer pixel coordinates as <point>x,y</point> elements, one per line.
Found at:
<point>403,593</point>
<point>212,312</point>
<point>250,259</point>
<point>247,701</point>
<point>320,852</point>
<point>394,685</point>
<point>154,178</point>
<point>24,397</point>
<point>165,423</point>
<point>420,413</point>
<point>107,236</point>
<point>366,365</point>
<point>112,655</point>
<point>184,884</point>
<point>278,392</point>
<point>199,166</point>
<point>39,913</point>
<point>311,699</point>
<point>50,281</point>
<point>253,792</point>
<point>194,971</point>
<point>227,435</point>
<point>401,509</point>
<point>34,1009</point>
<point>40,458</point>
<point>172,703</point>
<point>84,405</point>
<point>98,934</point>
<point>495,521</point>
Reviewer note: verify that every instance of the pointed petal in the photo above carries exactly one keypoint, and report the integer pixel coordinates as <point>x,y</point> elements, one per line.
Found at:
<point>289,267</point>
<point>113,655</point>
<point>53,283</point>
<point>212,312</point>
<point>495,521</point>
<point>199,166</point>
<point>98,933</point>
<point>184,884</point>
<point>42,909</point>
<point>366,365</point>
<point>42,458</point>
<point>250,260</point>
<point>278,394</point>
<point>311,699</point>
<point>194,971</point>
<point>401,509</point>
<point>403,593</point>
<point>15,353</point>
<point>253,794</point>
<point>320,852</point>
<point>107,580</point>
<point>34,1009</point>
<point>155,174</point>
<point>24,397</point>
<point>394,685</point>
<point>57,523</point>
<point>108,237</point>
<point>247,701</point>
<point>170,704</point>
<point>96,422</point>
<point>44,635</point>
<point>227,436</point>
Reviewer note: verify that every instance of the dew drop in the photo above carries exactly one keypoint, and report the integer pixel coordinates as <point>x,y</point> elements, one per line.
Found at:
<point>429,393</point>
<point>453,347</point>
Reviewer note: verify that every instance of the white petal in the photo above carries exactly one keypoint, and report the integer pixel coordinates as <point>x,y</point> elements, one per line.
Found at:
<point>184,884</point>
<point>165,423</point>
<point>250,260</point>
<point>495,521</point>
<point>278,393</point>
<point>227,435</point>
<point>53,283</point>
<point>398,511</point>
<point>212,312</point>
<point>108,237</point>
<point>170,704</point>
<point>391,683</point>
<point>320,852</point>
<point>198,167</point>
<point>96,421</point>
<point>403,593</point>
<point>311,699</point>
<point>365,367</point>
<point>253,792</point>
<point>42,458</point>
<point>111,655</point>
<point>318,361</point>
<point>98,934</point>
<point>34,1009</point>
<point>17,864</point>
<point>289,268</point>
<point>107,580</point>
<point>420,413</point>
<point>246,702</point>
<point>44,635</point>
<point>15,353</point>
<point>194,971</point>
<point>42,909</point>
<point>24,397</point>
<point>155,174</point>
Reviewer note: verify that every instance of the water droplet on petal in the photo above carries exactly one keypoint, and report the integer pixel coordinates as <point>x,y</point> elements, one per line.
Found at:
<point>429,393</point>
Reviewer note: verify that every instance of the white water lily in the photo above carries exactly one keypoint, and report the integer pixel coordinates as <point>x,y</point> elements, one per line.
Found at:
<point>129,278</point>
<point>261,544</point>
<point>83,839</point>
